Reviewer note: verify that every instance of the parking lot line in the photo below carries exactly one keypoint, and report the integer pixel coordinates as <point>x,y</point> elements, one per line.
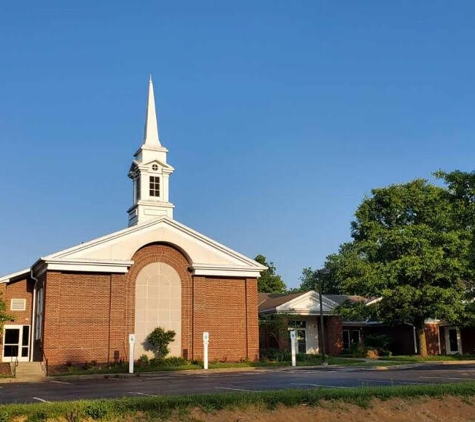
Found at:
<point>142,394</point>
<point>236,389</point>
<point>449,378</point>
<point>318,385</point>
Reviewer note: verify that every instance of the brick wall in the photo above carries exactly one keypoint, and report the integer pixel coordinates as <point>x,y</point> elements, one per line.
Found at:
<point>227,309</point>
<point>334,332</point>
<point>84,317</point>
<point>89,316</point>
<point>19,289</point>
<point>432,338</point>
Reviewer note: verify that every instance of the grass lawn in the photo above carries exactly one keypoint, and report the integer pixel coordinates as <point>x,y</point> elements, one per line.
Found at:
<point>436,358</point>
<point>162,407</point>
<point>124,368</point>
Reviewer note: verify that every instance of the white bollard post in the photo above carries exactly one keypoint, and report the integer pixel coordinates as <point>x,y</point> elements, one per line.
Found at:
<point>292,347</point>
<point>205,349</point>
<point>131,353</point>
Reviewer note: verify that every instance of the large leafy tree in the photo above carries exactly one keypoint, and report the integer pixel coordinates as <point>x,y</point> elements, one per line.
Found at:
<point>410,248</point>
<point>269,281</point>
<point>311,280</point>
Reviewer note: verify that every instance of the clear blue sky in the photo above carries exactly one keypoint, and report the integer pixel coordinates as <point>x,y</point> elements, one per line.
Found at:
<point>279,116</point>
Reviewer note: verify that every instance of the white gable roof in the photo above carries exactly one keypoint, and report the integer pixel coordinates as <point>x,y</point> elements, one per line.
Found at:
<point>307,304</point>
<point>114,252</point>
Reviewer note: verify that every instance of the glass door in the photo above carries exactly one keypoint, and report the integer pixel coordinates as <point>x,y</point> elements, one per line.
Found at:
<point>301,341</point>
<point>16,341</point>
<point>453,340</point>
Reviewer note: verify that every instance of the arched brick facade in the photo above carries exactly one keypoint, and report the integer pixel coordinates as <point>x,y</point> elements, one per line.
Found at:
<point>159,252</point>
<point>89,316</point>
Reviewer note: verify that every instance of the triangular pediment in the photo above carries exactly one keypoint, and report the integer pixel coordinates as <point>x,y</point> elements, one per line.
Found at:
<point>308,304</point>
<point>206,256</point>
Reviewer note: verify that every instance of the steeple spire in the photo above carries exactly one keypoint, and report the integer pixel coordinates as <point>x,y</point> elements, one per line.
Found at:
<point>151,128</point>
<point>150,173</point>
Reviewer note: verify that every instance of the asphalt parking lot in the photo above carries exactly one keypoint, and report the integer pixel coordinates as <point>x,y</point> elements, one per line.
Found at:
<point>200,382</point>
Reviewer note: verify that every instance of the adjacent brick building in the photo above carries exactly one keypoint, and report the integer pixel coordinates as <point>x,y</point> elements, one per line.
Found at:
<point>81,304</point>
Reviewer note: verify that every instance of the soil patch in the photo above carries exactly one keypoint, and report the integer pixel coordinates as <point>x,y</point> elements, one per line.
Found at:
<point>453,409</point>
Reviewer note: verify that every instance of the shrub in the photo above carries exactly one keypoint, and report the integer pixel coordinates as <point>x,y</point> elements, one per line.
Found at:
<point>275,355</point>
<point>158,341</point>
<point>143,360</point>
<point>96,410</point>
<point>358,350</point>
<point>168,362</point>
<point>311,358</point>
<point>380,343</point>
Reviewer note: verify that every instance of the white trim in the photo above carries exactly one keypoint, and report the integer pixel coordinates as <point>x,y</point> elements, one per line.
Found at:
<point>150,225</point>
<point>373,301</point>
<point>300,305</point>
<point>20,347</point>
<point>447,340</point>
<point>8,277</point>
<point>87,265</point>
<point>221,270</point>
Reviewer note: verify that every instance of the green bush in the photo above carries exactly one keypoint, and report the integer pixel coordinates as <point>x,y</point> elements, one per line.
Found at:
<point>358,350</point>
<point>158,341</point>
<point>143,360</point>
<point>275,355</point>
<point>308,357</point>
<point>168,362</point>
<point>96,410</point>
<point>377,341</point>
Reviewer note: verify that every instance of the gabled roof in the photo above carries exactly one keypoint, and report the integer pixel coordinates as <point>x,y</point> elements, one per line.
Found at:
<point>268,301</point>
<point>12,276</point>
<point>114,252</point>
<point>307,303</point>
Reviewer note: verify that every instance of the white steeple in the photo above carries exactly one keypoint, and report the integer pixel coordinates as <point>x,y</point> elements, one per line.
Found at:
<point>150,172</point>
<point>150,136</point>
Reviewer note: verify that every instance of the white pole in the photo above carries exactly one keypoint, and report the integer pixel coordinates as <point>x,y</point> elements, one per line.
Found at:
<point>205,349</point>
<point>292,347</point>
<point>415,339</point>
<point>131,353</point>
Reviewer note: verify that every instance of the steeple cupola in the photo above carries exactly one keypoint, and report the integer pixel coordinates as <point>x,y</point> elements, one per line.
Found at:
<point>150,172</point>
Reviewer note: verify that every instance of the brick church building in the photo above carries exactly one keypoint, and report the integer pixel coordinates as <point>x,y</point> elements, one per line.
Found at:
<point>81,304</point>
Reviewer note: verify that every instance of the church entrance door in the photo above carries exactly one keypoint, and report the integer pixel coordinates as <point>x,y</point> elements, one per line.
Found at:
<point>16,340</point>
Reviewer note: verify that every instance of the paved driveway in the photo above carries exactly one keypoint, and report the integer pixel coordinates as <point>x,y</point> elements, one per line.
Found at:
<point>192,382</point>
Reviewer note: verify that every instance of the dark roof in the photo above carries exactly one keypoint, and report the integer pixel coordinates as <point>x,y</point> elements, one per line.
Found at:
<point>342,298</point>
<point>268,301</point>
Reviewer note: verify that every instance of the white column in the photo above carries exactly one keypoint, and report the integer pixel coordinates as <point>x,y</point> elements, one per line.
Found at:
<point>131,353</point>
<point>292,347</point>
<point>205,349</point>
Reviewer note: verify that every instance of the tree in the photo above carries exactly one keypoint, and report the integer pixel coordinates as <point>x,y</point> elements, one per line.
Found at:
<point>410,249</point>
<point>269,281</point>
<point>309,280</point>
<point>4,316</point>
<point>158,341</point>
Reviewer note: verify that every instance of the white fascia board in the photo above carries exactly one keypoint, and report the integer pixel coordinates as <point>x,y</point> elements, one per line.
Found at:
<point>83,265</point>
<point>222,271</point>
<point>301,305</point>
<point>303,312</point>
<point>8,277</point>
<point>373,301</point>
<point>251,265</point>
<point>312,295</point>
